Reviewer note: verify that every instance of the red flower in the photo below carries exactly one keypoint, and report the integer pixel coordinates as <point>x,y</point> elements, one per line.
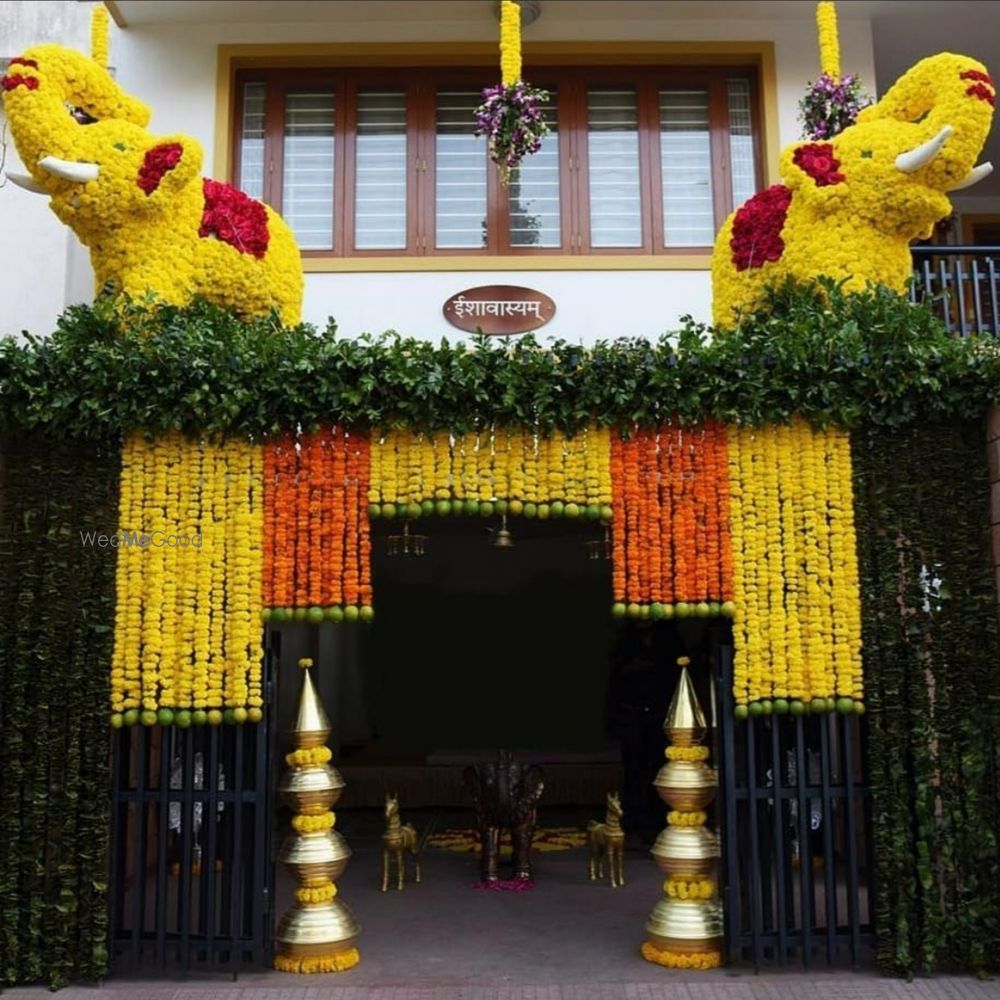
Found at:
<point>984,89</point>
<point>818,161</point>
<point>156,163</point>
<point>757,228</point>
<point>234,218</point>
<point>13,80</point>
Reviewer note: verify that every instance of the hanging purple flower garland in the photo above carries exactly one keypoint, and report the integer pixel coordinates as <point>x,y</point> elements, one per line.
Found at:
<point>830,105</point>
<point>512,119</point>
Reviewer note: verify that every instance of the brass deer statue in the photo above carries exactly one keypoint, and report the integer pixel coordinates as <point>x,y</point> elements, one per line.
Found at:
<point>607,842</point>
<point>398,838</point>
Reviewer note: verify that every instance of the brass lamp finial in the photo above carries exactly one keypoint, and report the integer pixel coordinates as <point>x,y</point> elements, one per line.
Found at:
<point>312,721</point>
<point>685,717</point>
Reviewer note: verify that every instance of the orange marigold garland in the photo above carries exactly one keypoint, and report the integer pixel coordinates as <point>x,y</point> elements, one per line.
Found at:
<point>681,960</point>
<point>619,580</point>
<point>671,514</point>
<point>654,538</point>
<point>703,519</point>
<point>668,443</point>
<point>338,518</point>
<point>632,513</point>
<point>318,547</point>
<point>364,529</point>
<point>301,534</point>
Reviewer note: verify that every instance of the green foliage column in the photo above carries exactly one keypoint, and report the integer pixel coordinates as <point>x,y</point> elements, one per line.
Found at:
<point>932,683</point>
<point>56,618</point>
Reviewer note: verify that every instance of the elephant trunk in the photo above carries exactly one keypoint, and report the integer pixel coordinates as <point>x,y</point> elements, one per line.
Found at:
<point>949,99</point>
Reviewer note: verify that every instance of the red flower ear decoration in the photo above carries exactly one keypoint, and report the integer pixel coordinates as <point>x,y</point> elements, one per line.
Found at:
<point>818,161</point>
<point>156,163</point>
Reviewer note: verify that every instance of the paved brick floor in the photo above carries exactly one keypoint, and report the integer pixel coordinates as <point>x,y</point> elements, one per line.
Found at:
<point>567,939</point>
<point>675,986</point>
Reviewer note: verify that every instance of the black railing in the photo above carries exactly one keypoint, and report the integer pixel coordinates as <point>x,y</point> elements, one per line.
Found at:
<point>796,835</point>
<point>192,875</point>
<point>960,285</point>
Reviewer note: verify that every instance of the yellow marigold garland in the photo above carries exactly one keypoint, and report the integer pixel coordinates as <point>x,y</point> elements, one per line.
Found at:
<point>340,961</point>
<point>797,626</point>
<point>829,45</point>
<point>677,818</point>
<point>126,680</point>
<point>510,42</point>
<point>531,458</point>
<point>99,35</point>
<point>681,960</point>
<point>494,465</point>
<point>324,893</point>
<point>375,471</point>
<point>303,823</point>
<point>308,755</point>
<point>188,584</point>
<point>692,754</point>
<point>844,565</point>
<point>701,888</point>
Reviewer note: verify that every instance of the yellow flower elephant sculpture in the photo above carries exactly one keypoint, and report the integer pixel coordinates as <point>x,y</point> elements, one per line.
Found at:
<point>137,201</point>
<point>849,207</point>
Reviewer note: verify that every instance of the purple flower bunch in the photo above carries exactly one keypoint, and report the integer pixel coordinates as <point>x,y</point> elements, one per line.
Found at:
<point>830,105</point>
<point>511,118</point>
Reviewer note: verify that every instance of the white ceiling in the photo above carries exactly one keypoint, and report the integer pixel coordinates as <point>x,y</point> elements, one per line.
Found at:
<point>141,12</point>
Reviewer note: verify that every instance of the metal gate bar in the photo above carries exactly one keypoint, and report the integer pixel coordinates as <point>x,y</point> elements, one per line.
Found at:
<point>796,814</point>
<point>191,869</point>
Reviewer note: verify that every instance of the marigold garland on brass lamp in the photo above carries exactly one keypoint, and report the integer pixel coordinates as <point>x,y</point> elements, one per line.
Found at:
<point>684,931</point>
<point>318,933</point>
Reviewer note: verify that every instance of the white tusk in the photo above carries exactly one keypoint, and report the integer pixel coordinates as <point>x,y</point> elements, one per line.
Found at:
<point>70,170</point>
<point>974,176</point>
<point>26,181</point>
<point>914,159</point>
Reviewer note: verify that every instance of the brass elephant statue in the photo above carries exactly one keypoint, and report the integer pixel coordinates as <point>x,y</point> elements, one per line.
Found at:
<point>849,207</point>
<point>152,224</point>
<point>505,796</point>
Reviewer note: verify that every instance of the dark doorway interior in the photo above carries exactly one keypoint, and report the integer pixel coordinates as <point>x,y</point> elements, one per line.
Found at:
<point>476,648</point>
<point>479,647</point>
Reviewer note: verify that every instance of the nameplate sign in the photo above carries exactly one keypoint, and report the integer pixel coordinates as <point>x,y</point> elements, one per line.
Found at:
<point>499,309</point>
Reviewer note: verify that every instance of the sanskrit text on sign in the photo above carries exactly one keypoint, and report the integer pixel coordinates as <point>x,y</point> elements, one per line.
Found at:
<point>499,309</point>
<point>495,307</point>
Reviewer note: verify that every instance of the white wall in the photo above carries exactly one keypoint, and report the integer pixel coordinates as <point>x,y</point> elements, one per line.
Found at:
<point>590,305</point>
<point>50,268</point>
<point>173,68</point>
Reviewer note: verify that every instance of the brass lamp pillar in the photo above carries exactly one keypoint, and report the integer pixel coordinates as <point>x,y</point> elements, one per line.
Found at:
<point>684,931</point>
<point>318,933</point>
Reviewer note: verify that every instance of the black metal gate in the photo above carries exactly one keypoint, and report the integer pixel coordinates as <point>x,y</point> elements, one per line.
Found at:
<point>796,835</point>
<point>192,876</point>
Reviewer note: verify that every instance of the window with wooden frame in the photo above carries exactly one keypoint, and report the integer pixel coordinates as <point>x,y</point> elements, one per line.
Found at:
<point>640,160</point>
